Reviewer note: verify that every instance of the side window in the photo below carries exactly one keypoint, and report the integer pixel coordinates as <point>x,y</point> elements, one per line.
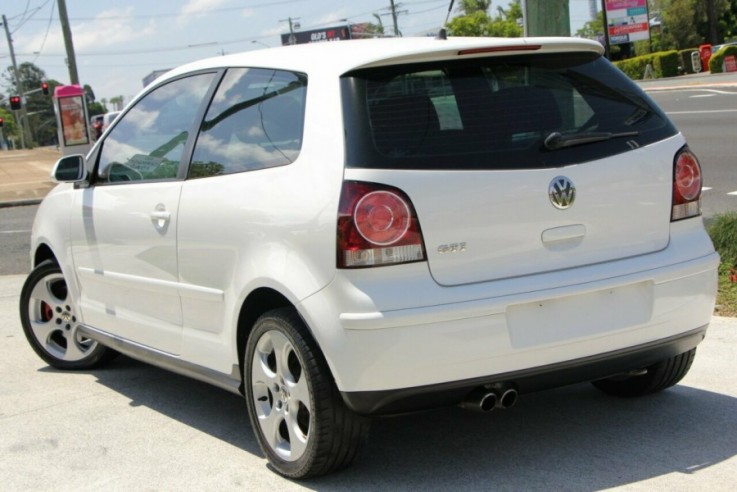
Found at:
<point>148,142</point>
<point>255,122</point>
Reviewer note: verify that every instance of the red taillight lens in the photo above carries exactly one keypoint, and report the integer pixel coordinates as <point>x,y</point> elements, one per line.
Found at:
<point>382,218</point>
<point>686,186</point>
<point>377,225</point>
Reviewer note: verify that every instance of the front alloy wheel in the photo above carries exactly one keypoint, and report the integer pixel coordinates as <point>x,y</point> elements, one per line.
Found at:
<point>50,322</point>
<point>296,411</point>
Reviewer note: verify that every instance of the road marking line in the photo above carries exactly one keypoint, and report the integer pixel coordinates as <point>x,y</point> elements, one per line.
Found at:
<point>16,232</point>
<point>703,112</point>
<point>705,188</point>
<point>734,193</point>
<point>701,95</point>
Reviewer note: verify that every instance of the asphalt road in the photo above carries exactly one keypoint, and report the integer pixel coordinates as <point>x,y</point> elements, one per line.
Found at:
<point>15,239</point>
<point>134,427</point>
<point>707,117</point>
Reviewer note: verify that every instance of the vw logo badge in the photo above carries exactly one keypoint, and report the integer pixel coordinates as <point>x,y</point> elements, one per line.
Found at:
<point>562,192</point>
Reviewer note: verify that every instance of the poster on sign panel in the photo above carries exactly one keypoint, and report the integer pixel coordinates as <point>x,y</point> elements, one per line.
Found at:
<point>627,21</point>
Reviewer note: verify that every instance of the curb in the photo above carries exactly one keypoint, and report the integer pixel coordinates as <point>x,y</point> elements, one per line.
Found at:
<point>21,203</point>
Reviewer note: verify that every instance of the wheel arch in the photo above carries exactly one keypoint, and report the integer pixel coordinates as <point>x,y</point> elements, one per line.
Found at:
<point>43,252</point>
<point>257,303</point>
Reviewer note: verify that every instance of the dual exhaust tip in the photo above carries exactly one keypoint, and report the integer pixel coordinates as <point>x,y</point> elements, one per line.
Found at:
<point>485,399</point>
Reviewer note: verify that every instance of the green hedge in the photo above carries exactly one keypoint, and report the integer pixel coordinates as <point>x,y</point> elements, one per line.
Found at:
<point>664,63</point>
<point>723,232</point>
<point>717,59</point>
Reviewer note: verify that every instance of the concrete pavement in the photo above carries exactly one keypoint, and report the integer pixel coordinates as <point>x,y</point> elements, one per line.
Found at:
<point>25,175</point>
<point>131,426</point>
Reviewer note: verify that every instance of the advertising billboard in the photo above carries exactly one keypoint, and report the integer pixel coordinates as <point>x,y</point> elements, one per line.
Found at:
<point>627,21</point>
<point>339,33</point>
<point>71,117</point>
<point>73,124</point>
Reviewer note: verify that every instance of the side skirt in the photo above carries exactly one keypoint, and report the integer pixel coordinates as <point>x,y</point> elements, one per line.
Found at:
<point>165,360</point>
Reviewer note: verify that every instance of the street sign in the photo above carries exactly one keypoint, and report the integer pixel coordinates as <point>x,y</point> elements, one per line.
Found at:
<point>627,21</point>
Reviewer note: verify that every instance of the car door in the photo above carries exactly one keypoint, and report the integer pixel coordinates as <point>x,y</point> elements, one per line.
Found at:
<point>240,181</point>
<point>125,249</point>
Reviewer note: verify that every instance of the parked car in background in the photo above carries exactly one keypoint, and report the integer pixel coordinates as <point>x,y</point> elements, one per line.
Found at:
<point>108,119</point>
<point>344,230</point>
<point>96,123</point>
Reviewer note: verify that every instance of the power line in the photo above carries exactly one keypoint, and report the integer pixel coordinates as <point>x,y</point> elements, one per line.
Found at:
<point>30,16</point>
<point>179,14</point>
<point>46,35</point>
<point>168,49</point>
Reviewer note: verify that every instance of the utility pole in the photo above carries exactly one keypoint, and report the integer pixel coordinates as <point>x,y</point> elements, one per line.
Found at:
<point>395,13</point>
<point>546,18</point>
<point>68,43</point>
<point>712,16</point>
<point>292,37</point>
<point>394,18</point>
<point>19,115</point>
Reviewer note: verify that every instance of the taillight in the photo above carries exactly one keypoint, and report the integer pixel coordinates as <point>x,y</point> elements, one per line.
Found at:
<point>686,186</point>
<point>377,225</point>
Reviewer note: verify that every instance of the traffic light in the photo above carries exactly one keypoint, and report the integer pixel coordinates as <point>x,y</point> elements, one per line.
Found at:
<point>45,88</point>
<point>15,102</point>
<point>2,121</point>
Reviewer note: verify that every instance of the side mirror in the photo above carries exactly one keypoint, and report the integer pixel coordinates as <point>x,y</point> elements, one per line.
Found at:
<point>70,169</point>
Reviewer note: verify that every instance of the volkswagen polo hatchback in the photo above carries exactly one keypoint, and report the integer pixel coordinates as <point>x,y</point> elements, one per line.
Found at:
<point>345,230</point>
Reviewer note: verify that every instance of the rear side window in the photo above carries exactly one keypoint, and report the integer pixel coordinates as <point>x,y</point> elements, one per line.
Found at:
<point>533,111</point>
<point>255,121</point>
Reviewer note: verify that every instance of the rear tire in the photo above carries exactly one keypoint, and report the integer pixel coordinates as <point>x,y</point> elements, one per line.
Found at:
<point>299,418</point>
<point>658,377</point>
<point>50,322</point>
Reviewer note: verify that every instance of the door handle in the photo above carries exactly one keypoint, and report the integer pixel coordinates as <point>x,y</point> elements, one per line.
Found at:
<point>160,215</point>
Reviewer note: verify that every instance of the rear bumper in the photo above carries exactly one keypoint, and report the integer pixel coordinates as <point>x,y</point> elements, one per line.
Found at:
<point>524,381</point>
<point>391,335</point>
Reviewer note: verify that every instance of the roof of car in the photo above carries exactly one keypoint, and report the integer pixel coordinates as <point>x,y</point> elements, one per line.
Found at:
<point>340,57</point>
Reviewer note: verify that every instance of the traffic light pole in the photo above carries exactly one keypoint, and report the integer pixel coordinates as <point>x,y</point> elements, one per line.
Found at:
<point>22,122</point>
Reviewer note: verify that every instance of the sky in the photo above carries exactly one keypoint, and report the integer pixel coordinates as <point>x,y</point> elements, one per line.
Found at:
<point>118,43</point>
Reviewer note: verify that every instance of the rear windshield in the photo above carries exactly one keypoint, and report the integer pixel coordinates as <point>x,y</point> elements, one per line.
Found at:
<point>530,111</point>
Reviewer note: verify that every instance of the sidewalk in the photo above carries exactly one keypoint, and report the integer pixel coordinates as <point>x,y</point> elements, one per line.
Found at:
<point>25,175</point>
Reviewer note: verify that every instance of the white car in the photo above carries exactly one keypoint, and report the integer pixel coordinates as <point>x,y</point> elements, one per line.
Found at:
<point>345,230</point>
<point>108,118</point>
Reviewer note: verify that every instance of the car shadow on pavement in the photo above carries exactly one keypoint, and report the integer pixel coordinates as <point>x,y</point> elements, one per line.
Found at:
<point>572,438</point>
<point>211,410</point>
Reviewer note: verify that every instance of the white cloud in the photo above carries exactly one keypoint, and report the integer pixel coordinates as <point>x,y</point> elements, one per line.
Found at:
<point>113,27</point>
<point>194,7</point>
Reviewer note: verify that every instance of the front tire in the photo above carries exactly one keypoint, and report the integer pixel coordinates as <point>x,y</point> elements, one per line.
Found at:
<point>50,322</point>
<point>297,414</point>
<point>657,377</point>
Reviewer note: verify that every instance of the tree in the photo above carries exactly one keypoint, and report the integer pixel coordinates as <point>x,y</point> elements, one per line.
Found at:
<point>117,102</point>
<point>10,129</point>
<point>39,107</point>
<point>680,24</point>
<point>689,23</point>
<point>476,20</point>
<point>593,28</point>
<point>468,7</point>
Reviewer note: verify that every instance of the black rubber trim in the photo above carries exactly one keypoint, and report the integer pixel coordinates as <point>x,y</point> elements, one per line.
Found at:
<point>164,360</point>
<point>417,398</point>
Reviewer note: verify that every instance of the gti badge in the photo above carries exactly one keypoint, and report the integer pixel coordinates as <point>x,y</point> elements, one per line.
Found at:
<point>562,192</point>
<point>445,249</point>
